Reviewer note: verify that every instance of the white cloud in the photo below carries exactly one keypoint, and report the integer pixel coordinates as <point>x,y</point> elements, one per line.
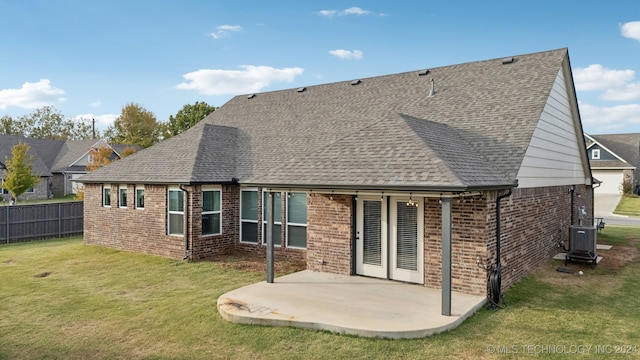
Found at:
<point>347,54</point>
<point>224,30</point>
<point>96,103</point>
<point>350,11</point>
<point>631,30</point>
<point>604,119</point>
<point>31,95</point>
<point>597,77</point>
<point>102,121</point>
<point>232,82</point>
<point>616,85</point>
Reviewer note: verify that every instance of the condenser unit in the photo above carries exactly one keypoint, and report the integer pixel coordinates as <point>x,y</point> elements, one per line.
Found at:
<point>582,244</point>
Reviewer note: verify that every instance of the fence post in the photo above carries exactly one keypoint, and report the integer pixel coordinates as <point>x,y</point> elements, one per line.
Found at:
<point>59,220</point>
<point>7,218</point>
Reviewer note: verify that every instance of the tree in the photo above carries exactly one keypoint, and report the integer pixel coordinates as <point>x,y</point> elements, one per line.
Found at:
<point>11,126</point>
<point>135,125</point>
<point>99,157</point>
<point>188,116</point>
<point>46,123</point>
<point>20,177</point>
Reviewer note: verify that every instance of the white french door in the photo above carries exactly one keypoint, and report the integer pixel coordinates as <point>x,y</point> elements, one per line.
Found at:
<point>390,246</point>
<point>407,239</point>
<point>371,234</point>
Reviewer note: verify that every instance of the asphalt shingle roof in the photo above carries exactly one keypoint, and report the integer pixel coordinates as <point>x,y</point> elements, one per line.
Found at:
<point>627,146</point>
<point>7,142</point>
<point>383,132</point>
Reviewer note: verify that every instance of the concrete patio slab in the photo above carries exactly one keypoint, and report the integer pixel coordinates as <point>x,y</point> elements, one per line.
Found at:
<point>347,304</point>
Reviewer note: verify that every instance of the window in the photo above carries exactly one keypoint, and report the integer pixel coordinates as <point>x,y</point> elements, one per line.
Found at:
<point>139,197</point>
<point>176,212</point>
<point>30,190</point>
<point>211,212</point>
<point>249,216</point>
<point>277,218</point>
<point>122,197</point>
<point>297,219</point>
<point>106,196</point>
<point>595,154</point>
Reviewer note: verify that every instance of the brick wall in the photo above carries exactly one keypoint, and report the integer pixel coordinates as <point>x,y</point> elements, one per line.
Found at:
<point>468,242</point>
<point>329,233</point>
<point>144,230</point>
<point>130,229</point>
<point>533,222</point>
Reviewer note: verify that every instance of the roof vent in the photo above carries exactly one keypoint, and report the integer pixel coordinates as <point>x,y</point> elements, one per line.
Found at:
<point>508,60</point>
<point>432,92</point>
<point>356,82</point>
<point>423,72</point>
<point>302,89</point>
<point>251,96</point>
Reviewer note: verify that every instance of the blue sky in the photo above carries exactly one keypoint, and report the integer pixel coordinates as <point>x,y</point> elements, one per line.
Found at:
<point>90,58</point>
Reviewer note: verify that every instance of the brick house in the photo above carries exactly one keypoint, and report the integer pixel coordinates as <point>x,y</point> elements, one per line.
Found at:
<point>399,176</point>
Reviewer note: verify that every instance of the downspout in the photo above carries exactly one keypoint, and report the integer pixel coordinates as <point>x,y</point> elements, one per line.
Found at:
<point>572,190</point>
<point>187,248</point>
<point>495,277</point>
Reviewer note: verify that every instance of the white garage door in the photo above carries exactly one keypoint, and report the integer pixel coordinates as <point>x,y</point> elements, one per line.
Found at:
<point>611,181</point>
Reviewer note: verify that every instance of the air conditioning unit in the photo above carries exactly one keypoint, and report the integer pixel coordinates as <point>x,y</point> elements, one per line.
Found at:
<point>582,243</point>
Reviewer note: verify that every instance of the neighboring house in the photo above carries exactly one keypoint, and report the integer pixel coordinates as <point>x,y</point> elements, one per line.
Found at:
<point>72,160</point>
<point>369,177</point>
<point>40,166</point>
<point>58,162</point>
<point>615,160</point>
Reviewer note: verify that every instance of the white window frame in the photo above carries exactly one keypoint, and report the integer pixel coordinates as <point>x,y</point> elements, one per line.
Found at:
<point>104,188</point>
<point>122,190</point>
<point>137,188</point>
<point>289,194</point>
<point>170,212</point>
<point>264,218</point>
<point>595,154</point>
<point>256,221</point>
<point>213,212</point>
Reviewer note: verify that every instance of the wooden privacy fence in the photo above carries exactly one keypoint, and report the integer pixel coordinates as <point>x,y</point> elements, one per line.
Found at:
<point>40,221</point>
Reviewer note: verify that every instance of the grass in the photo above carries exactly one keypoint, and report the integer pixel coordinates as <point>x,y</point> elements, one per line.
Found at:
<point>57,199</point>
<point>61,299</point>
<point>628,205</point>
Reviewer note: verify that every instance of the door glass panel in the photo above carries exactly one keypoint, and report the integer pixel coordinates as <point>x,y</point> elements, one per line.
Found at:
<point>407,237</point>
<point>372,241</point>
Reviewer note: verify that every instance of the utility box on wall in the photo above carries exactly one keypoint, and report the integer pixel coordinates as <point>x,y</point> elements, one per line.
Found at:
<point>582,243</point>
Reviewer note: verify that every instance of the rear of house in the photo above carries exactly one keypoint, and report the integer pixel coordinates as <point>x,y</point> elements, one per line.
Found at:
<point>398,177</point>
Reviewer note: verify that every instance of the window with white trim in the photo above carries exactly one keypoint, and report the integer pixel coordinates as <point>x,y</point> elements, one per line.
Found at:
<point>297,219</point>
<point>211,211</point>
<point>595,154</point>
<point>106,196</point>
<point>139,197</point>
<point>122,197</point>
<point>249,216</point>
<point>175,222</point>
<point>277,218</point>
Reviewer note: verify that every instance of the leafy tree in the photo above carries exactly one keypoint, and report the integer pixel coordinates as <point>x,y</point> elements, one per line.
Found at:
<point>46,123</point>
<point>11,126</point>
<point>188,116</point>
<point>20,177</point>
<point>135,125</point>
<point>100,157</point>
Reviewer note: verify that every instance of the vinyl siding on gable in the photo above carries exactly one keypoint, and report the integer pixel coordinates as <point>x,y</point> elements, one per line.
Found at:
<point>553,156</point>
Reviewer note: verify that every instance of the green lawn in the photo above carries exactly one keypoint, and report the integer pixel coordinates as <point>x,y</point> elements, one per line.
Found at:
<point>628,205</point>
<point>61,299</point>
<point>70,197</point>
